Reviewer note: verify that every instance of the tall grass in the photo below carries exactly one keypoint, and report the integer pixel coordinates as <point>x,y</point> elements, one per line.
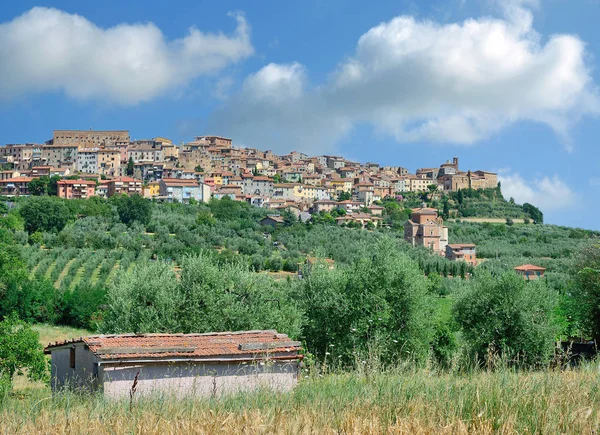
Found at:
<point>400,400</point>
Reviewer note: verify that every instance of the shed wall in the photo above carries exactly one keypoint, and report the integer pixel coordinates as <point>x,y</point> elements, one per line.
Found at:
<point>200,379</point>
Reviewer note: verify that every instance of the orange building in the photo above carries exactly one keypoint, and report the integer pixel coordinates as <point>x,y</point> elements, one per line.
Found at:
<point>76,189</point>
<point>463,251</point>
<point>425,228</point>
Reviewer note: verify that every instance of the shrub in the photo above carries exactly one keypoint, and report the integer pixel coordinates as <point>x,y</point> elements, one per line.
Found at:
<point>508,316</point>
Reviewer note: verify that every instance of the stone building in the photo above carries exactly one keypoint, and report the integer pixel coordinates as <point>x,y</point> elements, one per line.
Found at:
<point>89,138</point>
<point>425,228</point>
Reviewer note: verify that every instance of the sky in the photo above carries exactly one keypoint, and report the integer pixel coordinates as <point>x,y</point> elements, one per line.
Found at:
<point>509,86</point>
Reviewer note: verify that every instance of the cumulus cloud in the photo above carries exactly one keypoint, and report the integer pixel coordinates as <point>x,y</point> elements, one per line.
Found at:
<point>547,193</point>
<point>50,50</point>
<point>423,81</point>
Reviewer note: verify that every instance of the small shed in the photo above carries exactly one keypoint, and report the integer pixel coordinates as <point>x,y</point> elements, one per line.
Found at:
<point>530,271</point>
<point>177,365</point>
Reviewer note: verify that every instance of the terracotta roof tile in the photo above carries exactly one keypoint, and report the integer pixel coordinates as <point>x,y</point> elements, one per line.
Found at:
<point>214,345</point>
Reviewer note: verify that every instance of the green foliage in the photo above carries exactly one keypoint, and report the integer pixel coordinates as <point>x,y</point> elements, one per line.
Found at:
<point>586,290</point>
<point>130,167</point>
<point>507,316</point>
<point>144,300</point>
<point>534,213</point>
<point>45,214</point>
<point>83,306</point>
<point>209,297</point>
<point>381,304</point>
<point>20,349</point>
<point>133,209</point>
<point>344,196</point>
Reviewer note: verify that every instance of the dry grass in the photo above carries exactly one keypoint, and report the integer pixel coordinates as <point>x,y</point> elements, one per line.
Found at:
<point>394,402</point>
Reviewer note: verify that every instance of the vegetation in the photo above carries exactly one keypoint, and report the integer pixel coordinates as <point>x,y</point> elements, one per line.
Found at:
<point>399,400</point>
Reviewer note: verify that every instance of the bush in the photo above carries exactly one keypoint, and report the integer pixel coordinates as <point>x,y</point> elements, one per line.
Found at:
<point>45,214</point>
<point>508,316</point>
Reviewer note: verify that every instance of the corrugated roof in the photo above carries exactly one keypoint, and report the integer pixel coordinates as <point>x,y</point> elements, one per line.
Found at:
<point>210,345</point>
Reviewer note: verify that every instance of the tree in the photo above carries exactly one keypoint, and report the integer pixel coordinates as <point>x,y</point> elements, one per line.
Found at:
<point>199,169</point>
<point>586,291</point>
<point>276,179</point>
<point>45,214</point>
<point>379,304</point>
<point>446,209</point>
<point>144,300</point>
<point>509,222</point>
<point>19,349</point>
<point>508,316</point>
<point>432,188</point>
<point>344,196</point>
<point>38,186</point>
<point>130,167</point>
<point>460,196</point>
<point>53,185</point>
<point>134,208</point>
<point>534,213</point>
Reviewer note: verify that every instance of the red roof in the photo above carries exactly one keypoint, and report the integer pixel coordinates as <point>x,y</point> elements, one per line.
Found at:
<point>243,344</point>
<point>125,180</point>
<point>527,267</point>
<point>72,182</point>
<point>461,245</point>
<point>17,180</point>
<point>180,182</point>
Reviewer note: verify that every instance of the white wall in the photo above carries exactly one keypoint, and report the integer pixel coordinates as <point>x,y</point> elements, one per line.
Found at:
<point>184,379</point>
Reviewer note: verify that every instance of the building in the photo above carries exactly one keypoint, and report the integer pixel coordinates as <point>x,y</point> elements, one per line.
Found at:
<point>88,138</point>
<point>176,365</point>
<point>425,228</point>
<point>530,272</point>
<point>15,186</point>
<point>272,221</point>
<point>176,190</point>
<point>124,185</point>
<point>76,189</point>
<point>464,252</point>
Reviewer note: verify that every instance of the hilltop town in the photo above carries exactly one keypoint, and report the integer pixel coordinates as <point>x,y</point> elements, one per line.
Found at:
<point>210,166</point>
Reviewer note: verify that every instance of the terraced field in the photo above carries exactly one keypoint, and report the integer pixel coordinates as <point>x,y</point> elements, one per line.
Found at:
<point>66,268</point>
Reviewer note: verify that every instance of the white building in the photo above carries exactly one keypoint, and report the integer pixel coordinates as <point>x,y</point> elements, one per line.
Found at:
<point>178,365</point>
<point>87,160</point>
<point>178,190</point>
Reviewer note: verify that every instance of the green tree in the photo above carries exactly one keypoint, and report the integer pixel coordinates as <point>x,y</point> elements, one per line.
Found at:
<point>508,316</point>
<point>130,167</point>
<point>39,186</point>
<point>460,196</point>
<point>199,169</point>
<point>534,213</point>
<point>586,291</point>
<point>380,304</point>
<point>133,208</point>
<point>45,214</point>
<point>53,185</point>
<point>344,196</point>
<point>276,179</point>
<point>143,300</point>
<point>446,209</point>
<point>20,349</point>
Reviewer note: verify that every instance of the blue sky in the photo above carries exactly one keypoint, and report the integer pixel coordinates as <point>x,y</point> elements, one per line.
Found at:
<point>508,86</point>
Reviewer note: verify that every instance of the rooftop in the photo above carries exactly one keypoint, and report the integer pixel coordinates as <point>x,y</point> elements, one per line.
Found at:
<point>240,344</point>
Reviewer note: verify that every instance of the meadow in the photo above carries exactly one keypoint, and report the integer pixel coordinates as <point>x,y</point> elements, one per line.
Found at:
<point>398,400</point>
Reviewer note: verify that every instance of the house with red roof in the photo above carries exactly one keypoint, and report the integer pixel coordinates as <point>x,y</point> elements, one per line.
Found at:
<point>176,365</point>
<point>530,272</point>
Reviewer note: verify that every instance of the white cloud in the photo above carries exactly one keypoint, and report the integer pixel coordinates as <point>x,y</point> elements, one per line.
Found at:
<point>547,193</point>
<point>51,50</point>
<point>423,81</point>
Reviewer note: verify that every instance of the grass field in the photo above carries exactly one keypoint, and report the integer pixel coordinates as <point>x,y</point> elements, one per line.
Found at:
<point>399,401</point>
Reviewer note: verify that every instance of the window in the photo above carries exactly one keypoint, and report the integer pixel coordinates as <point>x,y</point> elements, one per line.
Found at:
<point>72,357</point>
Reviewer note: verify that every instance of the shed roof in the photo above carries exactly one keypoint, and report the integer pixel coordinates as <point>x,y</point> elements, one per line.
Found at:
<point>527,267</point>
<point>196,346</point>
